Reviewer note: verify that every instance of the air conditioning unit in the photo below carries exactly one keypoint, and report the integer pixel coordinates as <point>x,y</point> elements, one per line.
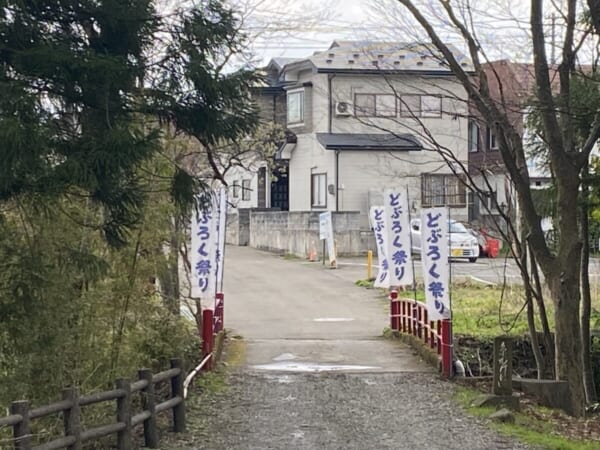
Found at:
<point>343,109</point>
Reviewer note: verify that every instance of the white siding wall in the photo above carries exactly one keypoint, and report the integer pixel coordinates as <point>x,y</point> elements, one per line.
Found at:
<point>364,171</point>
<point>309,157</point>
<point>238,174</point>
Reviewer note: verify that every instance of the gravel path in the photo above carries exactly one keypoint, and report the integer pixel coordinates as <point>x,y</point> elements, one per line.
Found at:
<point>302,317</point>
<point>263,411</point>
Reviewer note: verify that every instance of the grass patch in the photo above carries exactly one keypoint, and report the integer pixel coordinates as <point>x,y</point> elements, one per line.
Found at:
<point>530,425</point>
<point>488,311</point>
<point>366,283</point>
<point>235,351</point>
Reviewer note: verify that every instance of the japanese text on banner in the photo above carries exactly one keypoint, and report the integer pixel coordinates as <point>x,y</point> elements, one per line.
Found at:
<point>378,224</point>
<point>434,254</point>
<point>204,251</point>
<point>398,230</point>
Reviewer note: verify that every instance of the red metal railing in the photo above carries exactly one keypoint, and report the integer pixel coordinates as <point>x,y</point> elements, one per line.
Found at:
<point>411,317</point>
<point>219,310</point>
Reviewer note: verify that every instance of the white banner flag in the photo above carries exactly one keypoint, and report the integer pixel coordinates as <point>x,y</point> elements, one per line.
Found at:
<point>434,254</point>
<point>204,251</point>
<point>397,226</point>
<point>221,228</point>
<point>378,224</point>
<point>326,232</point>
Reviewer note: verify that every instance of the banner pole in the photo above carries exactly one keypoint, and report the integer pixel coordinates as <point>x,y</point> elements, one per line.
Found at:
<point>451,331</point>
<point>412,260</point>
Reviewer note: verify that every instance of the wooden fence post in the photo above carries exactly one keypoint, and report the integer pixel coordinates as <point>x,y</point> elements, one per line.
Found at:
<point>72,417</point>
<point>177,391</point>
<point>21,431</point>
<point>148,404</point>
<point>124,414</point>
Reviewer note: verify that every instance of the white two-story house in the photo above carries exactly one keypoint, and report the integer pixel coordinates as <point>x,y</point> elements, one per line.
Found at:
<point>372,115</point>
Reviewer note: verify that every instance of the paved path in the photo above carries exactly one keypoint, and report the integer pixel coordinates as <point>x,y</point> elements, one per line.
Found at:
<point>317,373</point>
<point>485,270</point>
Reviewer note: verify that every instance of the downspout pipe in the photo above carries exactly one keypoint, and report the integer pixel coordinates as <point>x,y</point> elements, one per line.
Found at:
<point>330,78</point>
<point>337,176</point>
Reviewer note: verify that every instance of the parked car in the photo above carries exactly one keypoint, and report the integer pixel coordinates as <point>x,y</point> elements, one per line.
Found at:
<point>462,243</point>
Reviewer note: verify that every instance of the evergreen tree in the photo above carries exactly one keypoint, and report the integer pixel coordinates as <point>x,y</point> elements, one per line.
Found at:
<point>83,82</point>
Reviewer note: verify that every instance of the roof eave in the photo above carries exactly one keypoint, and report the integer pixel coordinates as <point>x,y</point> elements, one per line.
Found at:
<point>373,148</point>
<point>440,73</point>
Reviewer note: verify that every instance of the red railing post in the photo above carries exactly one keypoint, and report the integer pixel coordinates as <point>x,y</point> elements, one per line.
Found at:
<point>447,348</point>
<point>425,322</point>
<point>419,321</point>
<point>219,312</point>
<point>415,316</point>
<point>409,318</point>
<point>438,339</point>
<point>432,331</point>
<point>394,311</point>
<point>207,336</point>
<point>402,317</point>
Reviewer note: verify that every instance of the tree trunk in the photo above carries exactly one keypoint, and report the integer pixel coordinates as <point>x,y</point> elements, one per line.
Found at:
<point>169,271</point>
<point>569,363</point>
<point>535,344</point>
<point>586,300</point>
<point>562,276</point>
<point>543,315</point>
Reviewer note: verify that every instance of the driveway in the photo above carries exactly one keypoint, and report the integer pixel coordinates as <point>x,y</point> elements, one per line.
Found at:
<point>485,270</point>
<point>318,374</point>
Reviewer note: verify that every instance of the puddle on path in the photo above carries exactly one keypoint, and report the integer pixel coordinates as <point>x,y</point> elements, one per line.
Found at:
<point>285,357</point>
<point>289,366</point>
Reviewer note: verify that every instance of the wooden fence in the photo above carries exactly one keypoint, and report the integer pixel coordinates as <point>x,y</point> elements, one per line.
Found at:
<point>126,420</point>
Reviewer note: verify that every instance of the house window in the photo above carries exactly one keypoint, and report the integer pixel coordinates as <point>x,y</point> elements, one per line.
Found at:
<point>375,105</point>
<point>492,141</point>
<point>442,190</point>
<point>385,105</point>
<point>431,106</point>
<point>318,190</point>
<point>245,189</point>
<point>236,189</point>
<point>364,104</point>
<point>473,137</point>
<point>410,106</point>
<point>421,106</point>
<point>295,107</point>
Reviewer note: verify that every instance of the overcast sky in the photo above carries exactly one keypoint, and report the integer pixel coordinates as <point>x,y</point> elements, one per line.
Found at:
<point>502,25</point>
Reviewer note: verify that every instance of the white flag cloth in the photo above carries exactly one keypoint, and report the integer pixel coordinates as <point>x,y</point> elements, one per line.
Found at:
<point>326,232</point>
<point>378,224</point>
<point>221,228</point>
<point>434,254</point>
<point>204,251</point>
<point>398,249</point>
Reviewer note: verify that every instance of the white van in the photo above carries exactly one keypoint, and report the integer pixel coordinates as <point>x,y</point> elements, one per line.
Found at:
<point>462,243</point>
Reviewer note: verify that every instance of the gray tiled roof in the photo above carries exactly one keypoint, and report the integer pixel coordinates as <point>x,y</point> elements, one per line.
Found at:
<point>382,56</point>
<point>393,56</point>
<point>364,141</point>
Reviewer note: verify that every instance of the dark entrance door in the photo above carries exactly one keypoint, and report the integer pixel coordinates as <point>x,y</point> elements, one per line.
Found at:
<point>262,187</point>
<point>280,189</point>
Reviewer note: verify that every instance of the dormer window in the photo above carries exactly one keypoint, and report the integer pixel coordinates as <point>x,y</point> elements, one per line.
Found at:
<point>473,136</point>
<point>295,107</point>
<point>492,141</point>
